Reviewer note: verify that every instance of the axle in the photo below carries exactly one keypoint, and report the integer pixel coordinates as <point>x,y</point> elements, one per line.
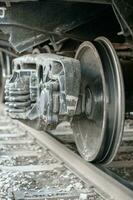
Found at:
<point>86,91</point>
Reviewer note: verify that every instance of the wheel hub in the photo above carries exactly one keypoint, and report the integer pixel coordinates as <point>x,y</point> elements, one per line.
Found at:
<point>88,102</point>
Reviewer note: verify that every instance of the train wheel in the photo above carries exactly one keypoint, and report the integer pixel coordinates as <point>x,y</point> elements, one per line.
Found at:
<point>98,130</point>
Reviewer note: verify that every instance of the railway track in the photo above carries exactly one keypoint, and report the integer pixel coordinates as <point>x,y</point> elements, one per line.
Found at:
<point>123,162</point>
<point>35,166</point>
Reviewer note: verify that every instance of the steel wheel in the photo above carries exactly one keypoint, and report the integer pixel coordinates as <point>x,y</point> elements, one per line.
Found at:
<point>98,130</point>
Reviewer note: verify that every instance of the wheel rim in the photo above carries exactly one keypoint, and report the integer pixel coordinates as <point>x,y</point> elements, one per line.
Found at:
<point>98,130</point>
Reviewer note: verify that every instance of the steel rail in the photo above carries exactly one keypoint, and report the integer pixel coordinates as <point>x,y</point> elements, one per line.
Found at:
<point>87,172</point>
